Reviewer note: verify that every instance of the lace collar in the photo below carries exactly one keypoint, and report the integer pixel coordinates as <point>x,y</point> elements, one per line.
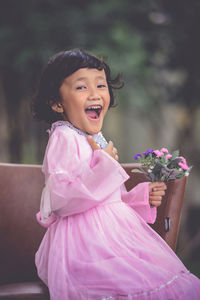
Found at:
<point>99,138</point>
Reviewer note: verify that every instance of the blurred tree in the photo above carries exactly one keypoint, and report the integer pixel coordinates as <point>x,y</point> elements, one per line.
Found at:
<point>32,31</point>
<point>183,30</point>
<point>147,41</point>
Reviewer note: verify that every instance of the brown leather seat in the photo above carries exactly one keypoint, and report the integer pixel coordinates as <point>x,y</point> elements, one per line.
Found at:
<point>20,234</point>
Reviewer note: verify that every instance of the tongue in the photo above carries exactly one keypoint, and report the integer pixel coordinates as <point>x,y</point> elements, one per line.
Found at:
<point>92,114</point>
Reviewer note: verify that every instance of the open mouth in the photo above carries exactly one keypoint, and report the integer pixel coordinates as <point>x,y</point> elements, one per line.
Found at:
<point>93,112</point>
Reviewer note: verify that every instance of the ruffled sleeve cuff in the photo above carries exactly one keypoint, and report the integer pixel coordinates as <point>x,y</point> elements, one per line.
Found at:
<point>138,199</point>
<point>47,221</point>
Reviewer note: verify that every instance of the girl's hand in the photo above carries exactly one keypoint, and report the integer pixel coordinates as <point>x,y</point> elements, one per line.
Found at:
<point>156,193</point>
<point>110,149</point>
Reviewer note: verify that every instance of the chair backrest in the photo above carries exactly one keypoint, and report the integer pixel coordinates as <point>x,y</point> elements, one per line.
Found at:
<point>20,234</point>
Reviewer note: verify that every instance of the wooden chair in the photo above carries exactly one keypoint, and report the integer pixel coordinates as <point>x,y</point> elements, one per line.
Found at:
<point>20,234</point>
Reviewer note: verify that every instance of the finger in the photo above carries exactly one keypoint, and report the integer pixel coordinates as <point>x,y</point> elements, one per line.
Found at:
<point>158,183</point>
<point>155,203</point>
<point>115,150</point>
<point>114,153</point>
<point>155,198</point>
<point>157,186</point>
<point>109,148</point>
<point>92,143</point>
<point>157,193</point>
<point>110,145</point>
<point>162,185</point>
<point>159,189</point>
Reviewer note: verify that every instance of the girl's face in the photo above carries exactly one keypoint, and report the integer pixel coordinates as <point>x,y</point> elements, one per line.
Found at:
<point>85,99</point>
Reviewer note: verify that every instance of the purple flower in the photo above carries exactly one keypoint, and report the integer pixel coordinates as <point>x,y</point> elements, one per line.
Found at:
<point>137,156</point>
<point>149,151</point>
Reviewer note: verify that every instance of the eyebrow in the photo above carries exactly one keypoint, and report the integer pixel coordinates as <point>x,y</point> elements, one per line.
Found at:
<point>85,78</point>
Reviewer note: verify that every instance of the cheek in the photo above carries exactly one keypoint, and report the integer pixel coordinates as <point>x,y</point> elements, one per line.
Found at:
<point>75,110</point>
<point>109,101</point>
<point>106,107</point>
<point>108,98</point>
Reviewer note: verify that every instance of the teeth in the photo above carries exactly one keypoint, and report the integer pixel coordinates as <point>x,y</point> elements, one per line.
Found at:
<point>94,107</point>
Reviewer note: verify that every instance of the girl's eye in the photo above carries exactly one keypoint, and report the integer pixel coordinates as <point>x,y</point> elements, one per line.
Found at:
<point>101,86</point>
<point>81,87</point>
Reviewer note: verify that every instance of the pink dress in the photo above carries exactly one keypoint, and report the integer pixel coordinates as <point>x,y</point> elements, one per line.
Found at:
<point>98,244</point>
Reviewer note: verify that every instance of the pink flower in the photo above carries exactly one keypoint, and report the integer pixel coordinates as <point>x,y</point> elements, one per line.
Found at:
<point>182,159</point>
<point>158,153</point>
<point>164,150</point>
<point>168,156</point>
<point>184,166</point>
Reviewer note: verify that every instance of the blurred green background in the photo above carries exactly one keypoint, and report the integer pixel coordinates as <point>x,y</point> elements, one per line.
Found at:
<point>154,44</point>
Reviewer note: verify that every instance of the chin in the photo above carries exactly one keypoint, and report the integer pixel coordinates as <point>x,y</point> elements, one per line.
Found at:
<point>93,131</point>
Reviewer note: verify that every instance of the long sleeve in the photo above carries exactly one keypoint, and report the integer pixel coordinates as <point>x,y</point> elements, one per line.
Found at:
<point>138,199</point>
<point>74,185</point>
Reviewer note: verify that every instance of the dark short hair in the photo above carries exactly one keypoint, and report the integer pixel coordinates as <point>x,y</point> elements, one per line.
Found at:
<point>60,66</point>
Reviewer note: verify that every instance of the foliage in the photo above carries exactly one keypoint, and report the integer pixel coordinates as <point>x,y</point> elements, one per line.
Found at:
<point>147,41</point>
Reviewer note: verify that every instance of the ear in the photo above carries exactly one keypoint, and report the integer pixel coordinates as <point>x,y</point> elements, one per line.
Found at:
<point>57,107</point>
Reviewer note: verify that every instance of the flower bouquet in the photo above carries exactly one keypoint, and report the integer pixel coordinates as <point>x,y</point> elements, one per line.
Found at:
<point>160,165</point>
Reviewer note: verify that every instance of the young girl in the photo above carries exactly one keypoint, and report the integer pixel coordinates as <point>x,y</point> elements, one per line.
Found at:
<point>98,244</point>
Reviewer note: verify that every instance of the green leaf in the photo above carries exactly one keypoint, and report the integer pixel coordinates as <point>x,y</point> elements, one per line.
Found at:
<point>175,154</point>
<point>174,163</point>
<point>137,171</point>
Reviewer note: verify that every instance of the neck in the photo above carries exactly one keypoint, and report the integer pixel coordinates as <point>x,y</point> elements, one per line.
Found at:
<point>99,138</point>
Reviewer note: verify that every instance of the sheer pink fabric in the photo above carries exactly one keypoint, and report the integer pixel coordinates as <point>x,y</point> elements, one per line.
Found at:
<point>98,244</point>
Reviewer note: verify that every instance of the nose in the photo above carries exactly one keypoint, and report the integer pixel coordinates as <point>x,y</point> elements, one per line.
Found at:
<point>93,94</point>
